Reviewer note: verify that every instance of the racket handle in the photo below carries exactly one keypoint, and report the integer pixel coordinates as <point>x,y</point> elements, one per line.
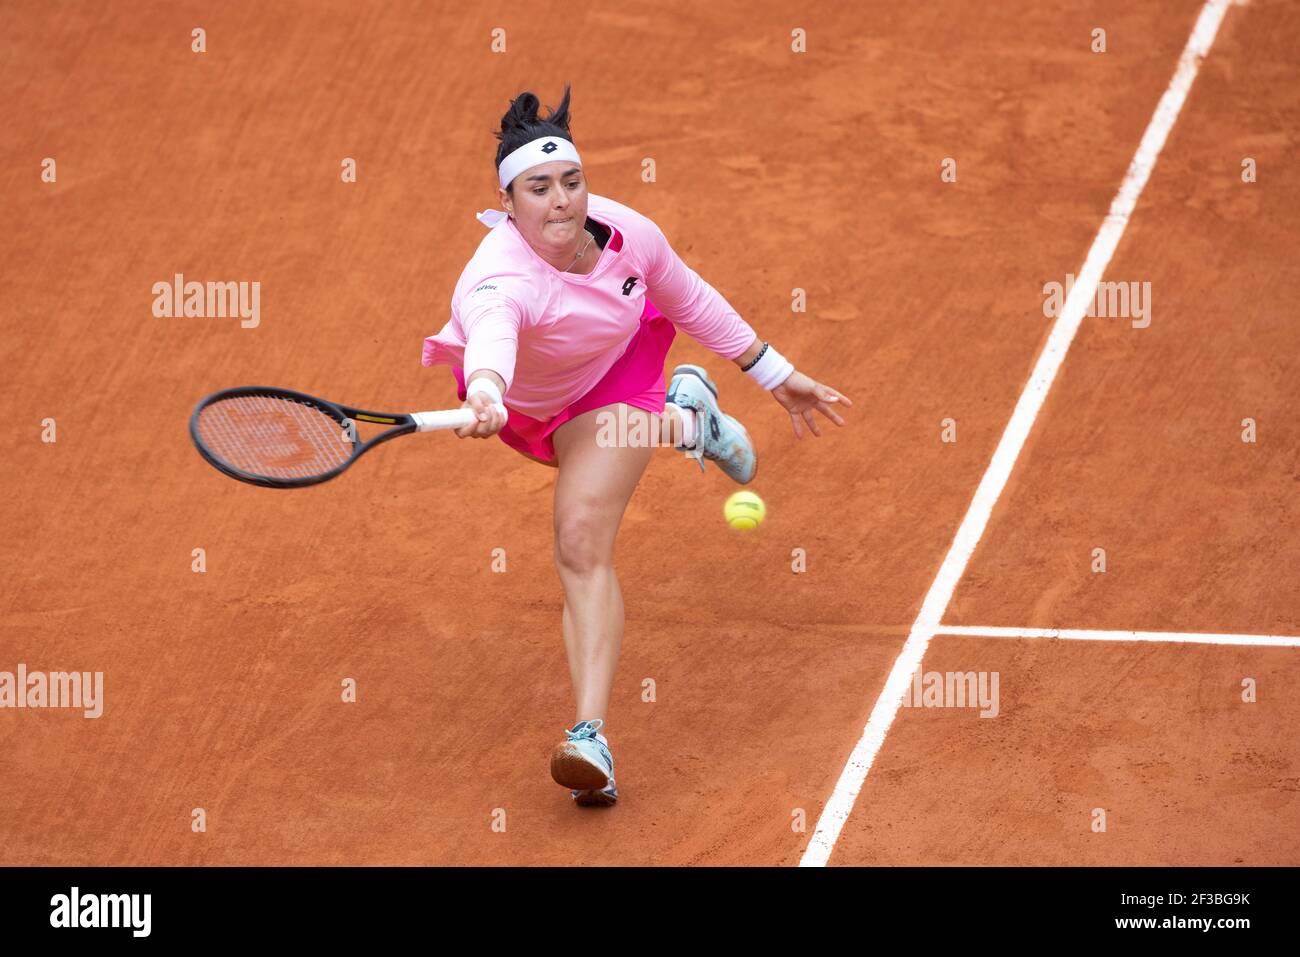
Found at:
<point>449,418</point>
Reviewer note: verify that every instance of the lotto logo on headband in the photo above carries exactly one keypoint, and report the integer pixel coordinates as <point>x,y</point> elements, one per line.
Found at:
<point>534,153</point>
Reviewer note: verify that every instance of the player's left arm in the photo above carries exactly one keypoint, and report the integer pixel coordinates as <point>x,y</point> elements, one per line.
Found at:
<point>704,314</point>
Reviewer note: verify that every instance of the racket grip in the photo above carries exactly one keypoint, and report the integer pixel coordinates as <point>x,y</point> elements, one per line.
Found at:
<point>449,418</point>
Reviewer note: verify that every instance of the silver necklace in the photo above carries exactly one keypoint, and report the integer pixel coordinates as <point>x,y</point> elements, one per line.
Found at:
<point>580,254</point>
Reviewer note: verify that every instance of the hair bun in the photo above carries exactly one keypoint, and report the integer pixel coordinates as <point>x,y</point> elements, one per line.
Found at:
<point>522,112</point>
<point>523,122</point>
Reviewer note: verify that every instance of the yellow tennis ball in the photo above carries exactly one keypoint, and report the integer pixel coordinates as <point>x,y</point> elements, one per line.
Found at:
<point>744,510</point>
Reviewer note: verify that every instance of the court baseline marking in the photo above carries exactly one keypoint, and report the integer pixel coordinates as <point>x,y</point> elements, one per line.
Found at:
<point>840,805</point>
<point>1091,634</point>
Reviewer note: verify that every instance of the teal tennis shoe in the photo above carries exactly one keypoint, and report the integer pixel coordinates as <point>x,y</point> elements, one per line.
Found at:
<point>582,762</point>
<point>720,438</point>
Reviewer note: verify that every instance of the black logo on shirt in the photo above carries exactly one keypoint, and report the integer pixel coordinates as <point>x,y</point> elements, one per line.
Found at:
<point>629,284</point>
<point>549,148</point>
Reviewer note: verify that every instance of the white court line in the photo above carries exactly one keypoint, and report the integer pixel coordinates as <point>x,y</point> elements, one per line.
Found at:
<point>1088,634</point>
<point>970,531</point>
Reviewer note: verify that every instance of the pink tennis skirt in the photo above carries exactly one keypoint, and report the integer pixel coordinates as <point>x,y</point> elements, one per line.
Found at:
<point>636,379</point>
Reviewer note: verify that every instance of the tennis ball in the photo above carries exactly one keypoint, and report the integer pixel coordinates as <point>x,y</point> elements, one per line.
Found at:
<point>744,510</point>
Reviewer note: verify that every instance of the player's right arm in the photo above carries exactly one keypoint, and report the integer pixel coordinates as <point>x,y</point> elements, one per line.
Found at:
<point>491,323</point>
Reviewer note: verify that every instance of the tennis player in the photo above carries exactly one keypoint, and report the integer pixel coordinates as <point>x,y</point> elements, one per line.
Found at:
<point>566,311</point>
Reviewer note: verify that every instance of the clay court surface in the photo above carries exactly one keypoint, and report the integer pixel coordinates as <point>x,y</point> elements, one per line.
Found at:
<point>775,170</point>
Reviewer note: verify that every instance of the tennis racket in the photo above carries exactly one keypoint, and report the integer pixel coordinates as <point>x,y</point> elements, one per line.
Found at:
<point>279,438</point>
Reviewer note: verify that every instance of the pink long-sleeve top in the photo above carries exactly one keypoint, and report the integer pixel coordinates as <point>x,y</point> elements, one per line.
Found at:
<point>552,335</point>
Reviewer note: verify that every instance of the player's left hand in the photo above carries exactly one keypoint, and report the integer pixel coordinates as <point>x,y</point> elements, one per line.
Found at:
<point>800,395</point>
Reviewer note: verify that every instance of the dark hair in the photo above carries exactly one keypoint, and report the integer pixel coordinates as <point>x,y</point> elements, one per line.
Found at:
<point>521,124</point>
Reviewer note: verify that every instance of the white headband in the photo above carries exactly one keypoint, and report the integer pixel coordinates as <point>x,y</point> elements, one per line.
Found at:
<point>545,149</point>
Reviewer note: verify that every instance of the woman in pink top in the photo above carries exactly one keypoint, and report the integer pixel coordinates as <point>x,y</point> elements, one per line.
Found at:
<point>558,316</point>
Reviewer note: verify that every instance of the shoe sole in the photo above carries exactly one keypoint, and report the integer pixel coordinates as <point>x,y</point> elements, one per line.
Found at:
<point>594,799</point>
<point>745,432</point>
<point>570,769</point>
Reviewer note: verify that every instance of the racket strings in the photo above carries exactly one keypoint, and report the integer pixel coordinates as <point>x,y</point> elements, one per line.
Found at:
<point>274,436</point>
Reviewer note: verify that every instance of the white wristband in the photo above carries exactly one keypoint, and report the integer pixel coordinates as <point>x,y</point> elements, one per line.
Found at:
<point>771,369</point>
<point>483,384</point>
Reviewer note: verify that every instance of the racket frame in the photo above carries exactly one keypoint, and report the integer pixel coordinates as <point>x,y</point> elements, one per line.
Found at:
<point>403,424</point>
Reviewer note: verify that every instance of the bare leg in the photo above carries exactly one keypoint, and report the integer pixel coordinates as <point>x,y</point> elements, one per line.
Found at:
<point>591,494</point>
<point>664,430</point>
<point>528,455</point>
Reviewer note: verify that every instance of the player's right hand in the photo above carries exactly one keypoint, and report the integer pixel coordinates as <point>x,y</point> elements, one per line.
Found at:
<point>489,421</point>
